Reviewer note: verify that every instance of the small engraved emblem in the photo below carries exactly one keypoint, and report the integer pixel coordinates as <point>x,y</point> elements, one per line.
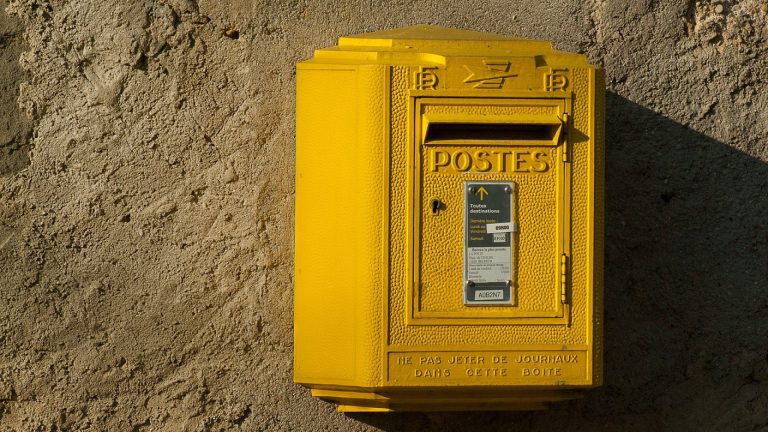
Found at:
<point>425,78</point>
<point>493,76</point>
<point>556,80</point>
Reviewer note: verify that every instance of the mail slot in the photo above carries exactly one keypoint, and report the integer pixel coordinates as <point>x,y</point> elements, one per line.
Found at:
<point>449,222</point>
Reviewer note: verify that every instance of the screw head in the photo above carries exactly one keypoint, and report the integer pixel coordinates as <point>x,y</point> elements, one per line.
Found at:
<point>508,189</point>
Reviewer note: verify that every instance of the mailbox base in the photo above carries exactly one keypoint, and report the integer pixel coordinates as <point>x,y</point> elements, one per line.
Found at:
<point>444,400</point>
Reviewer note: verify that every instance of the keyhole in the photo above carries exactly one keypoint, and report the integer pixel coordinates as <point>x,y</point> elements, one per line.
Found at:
<point>434,204</point>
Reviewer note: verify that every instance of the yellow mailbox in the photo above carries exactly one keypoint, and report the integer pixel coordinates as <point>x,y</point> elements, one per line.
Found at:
<point>449,222</point>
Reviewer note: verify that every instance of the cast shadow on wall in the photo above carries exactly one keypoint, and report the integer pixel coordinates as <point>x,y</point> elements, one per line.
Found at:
<point>686,284</point>
<point>15,126</point>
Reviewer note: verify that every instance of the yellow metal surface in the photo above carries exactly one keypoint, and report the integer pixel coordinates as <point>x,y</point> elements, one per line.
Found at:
<point>388,124</point>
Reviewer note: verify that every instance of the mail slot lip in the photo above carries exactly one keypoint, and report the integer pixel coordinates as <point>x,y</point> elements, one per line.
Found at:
<point>550,114</point>
<point>492,130</point>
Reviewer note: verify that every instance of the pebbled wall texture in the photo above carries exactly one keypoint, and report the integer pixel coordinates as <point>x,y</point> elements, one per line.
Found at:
<point>146,211</point>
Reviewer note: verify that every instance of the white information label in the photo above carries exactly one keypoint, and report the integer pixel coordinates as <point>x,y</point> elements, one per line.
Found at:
<point>489,295</point>
<point>489,264</point>
<point>501,227</point>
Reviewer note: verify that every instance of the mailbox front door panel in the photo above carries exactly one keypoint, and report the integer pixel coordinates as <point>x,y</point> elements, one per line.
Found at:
<point>490,200</point>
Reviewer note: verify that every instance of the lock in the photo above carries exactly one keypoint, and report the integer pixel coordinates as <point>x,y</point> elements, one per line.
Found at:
<point>449,222</point>
<point>435,205</point>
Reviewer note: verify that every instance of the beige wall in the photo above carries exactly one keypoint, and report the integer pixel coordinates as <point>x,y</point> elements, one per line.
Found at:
<point>146,201</point>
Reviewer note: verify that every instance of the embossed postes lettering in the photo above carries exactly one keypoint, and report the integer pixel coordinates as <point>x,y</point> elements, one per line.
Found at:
<point>496,366</point>
<point>490,161</point>
<point>425,78</point>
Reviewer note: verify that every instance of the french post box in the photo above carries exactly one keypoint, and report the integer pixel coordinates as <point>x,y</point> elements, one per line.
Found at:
<point>449,222</point>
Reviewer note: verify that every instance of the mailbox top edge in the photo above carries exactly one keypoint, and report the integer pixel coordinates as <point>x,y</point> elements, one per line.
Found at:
<point>422,44</point>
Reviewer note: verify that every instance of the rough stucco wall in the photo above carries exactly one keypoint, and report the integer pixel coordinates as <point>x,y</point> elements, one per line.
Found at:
<point>146,211</point>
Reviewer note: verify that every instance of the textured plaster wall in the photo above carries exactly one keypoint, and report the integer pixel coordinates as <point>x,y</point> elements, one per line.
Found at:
<point>146,201</point>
